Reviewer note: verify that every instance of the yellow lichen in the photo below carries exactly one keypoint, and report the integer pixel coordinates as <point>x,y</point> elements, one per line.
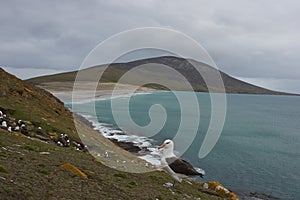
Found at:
<point>73,169</point>
<point>53,134</point>
<point>219,189</point>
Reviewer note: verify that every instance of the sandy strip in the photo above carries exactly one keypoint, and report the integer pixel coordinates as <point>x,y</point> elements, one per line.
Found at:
<point>64,91</point>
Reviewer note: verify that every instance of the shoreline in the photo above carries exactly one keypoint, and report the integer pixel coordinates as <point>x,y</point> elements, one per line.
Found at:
<point>130,146</point>
<point>85,94</point>
<point>141,147</point>
<point>127,146</point>
<point>132,149</point>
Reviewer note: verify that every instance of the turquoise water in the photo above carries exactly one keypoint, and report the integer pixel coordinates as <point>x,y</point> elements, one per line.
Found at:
<point>258,150</point>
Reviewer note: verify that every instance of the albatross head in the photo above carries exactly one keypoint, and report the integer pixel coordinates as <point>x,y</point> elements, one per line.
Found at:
<point>167,147</point>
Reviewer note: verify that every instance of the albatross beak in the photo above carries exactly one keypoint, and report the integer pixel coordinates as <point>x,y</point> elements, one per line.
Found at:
<point>161,146</point>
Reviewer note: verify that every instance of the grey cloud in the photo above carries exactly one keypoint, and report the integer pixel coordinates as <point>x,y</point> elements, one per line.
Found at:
<point>246,38</point>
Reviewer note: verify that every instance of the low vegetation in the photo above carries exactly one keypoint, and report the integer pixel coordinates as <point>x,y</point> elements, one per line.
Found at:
<point>3,169</point>
<point>33,169</point>
<point>37,176</point>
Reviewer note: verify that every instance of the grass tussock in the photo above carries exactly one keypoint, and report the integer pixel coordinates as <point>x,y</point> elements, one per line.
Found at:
<point>121,175</point>
<point>31,148</point>
<point>3,169</point>
<point>44,171</point>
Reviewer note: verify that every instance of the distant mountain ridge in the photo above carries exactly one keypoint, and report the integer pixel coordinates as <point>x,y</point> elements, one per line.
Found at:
<point>184,66</point>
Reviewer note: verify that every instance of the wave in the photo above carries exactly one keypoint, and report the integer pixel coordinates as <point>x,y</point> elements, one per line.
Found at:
<point>149,151</point>
<point>152,154</point>
<point>82,98</point>
<point>123,95</point>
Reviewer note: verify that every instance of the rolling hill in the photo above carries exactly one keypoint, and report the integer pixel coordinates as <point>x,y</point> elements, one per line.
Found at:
<point>184,66</point>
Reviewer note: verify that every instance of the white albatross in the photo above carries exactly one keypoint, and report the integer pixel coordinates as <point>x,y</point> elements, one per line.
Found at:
<point>176,167</point>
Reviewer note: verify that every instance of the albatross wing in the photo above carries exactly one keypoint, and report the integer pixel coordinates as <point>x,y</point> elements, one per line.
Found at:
<point>181,166</point>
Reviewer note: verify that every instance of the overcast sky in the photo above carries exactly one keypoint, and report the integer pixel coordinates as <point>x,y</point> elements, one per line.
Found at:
<point>255,40</point>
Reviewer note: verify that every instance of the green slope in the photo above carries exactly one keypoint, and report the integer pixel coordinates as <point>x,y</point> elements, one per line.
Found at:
<point>34,104</point>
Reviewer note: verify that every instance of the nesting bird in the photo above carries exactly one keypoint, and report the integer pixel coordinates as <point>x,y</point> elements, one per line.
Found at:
<point>17,128</point>
<point>20,122</point>
<point>79,145</point>
<point>63,140</point>
<point>4,125</point>
<point>39,130</point>
<point>59,144</point>
<point>24,129</point>
<point>176,167</point>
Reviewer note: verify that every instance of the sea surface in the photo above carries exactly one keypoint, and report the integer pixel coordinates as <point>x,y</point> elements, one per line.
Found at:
<point>258,150</point>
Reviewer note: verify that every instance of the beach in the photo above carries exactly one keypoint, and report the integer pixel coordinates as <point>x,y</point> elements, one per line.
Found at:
<point>64,90</point>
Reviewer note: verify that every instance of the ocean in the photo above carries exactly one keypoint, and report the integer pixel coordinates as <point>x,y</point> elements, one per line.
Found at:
<point>258,150</point>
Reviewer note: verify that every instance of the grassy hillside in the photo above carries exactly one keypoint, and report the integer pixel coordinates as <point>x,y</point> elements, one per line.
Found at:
<point>36,105</point>
<point>184,67</point>
<point>27,174</point>
<point>33,169</point>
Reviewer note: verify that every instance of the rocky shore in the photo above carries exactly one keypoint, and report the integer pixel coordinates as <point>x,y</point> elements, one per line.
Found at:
<point>126,145</point>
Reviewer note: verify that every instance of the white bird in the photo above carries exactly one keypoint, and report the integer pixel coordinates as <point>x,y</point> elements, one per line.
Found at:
<point>4,124</point>
<point>59,143</point>
<point>176,167</point>
<point>39,130</point>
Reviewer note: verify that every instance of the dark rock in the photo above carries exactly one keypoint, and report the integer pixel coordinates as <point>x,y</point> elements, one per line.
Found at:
<point>262,196</point>
<point>120,133</point>
<point>128,146</point>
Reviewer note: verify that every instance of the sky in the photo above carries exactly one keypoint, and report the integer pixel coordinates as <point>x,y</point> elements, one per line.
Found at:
<point>257,41</point>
